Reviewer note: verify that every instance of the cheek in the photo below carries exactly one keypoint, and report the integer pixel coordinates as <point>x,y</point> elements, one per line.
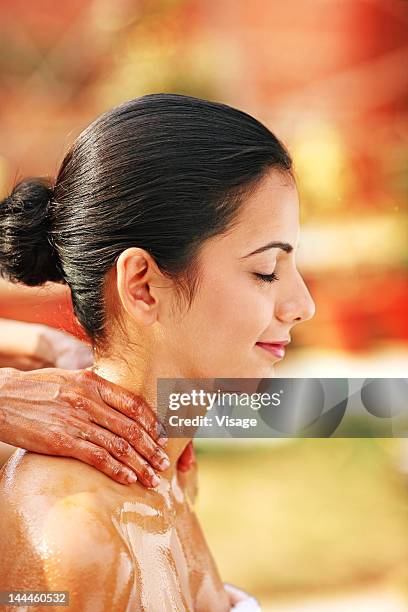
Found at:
<point>233,313</point>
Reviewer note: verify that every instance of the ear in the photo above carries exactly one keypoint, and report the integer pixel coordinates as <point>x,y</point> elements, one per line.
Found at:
<point>135,270</point>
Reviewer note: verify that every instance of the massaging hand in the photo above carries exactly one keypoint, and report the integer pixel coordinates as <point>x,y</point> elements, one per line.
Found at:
<point>78,414</point>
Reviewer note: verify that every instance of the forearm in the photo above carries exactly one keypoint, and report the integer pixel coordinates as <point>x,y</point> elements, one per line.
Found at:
<point>18,339</point>
<point>5,448</point>
<point>6,376</point>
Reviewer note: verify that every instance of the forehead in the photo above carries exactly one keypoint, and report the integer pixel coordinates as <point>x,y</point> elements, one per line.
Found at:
<point>269,212</point>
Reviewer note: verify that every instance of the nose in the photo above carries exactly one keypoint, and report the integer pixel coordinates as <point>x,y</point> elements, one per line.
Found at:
<point>296,305</point>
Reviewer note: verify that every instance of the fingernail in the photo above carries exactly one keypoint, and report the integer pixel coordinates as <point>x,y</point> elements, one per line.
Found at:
<point>162,441</point>
<point>155,481</point>
<point>163,463</point>
<point>131,477</point>
<point>162,433</point>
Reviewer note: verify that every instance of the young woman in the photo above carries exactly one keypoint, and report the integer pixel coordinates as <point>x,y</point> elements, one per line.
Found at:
<point>175,223</point>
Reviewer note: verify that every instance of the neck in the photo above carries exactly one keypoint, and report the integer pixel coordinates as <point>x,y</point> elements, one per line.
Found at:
<point>141,379</point>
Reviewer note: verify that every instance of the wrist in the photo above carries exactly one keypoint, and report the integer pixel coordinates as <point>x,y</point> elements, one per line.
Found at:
<point>43,344</point>
<point>19,338</point>
<point>6,375</point>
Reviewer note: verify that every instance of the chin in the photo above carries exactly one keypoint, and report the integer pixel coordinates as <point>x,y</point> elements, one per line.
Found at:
<point>260,371</point>
<point>266,371</point>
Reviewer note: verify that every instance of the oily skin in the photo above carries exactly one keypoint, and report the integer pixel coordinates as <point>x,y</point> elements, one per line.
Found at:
<point>115,546</point>
<point>112,547</point>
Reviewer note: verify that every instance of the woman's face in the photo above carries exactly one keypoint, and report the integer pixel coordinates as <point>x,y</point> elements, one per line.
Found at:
<point>234,309</point>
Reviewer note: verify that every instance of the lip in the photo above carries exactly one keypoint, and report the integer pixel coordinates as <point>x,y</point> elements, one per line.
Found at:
<point>275,348</point>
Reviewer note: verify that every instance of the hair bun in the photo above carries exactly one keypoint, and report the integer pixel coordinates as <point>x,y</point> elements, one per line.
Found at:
<point>26,254</point>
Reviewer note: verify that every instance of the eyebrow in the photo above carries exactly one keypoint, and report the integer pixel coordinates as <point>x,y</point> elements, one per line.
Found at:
<point>285,246</point>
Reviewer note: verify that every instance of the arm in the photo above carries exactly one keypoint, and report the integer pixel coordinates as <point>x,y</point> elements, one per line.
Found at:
<point>31,346</point>
<point>28,416</point>
<point>18,338</point>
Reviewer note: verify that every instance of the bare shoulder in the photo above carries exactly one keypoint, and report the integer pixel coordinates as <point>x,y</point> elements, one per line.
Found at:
<point>58,531</point>
<point>28,475</point>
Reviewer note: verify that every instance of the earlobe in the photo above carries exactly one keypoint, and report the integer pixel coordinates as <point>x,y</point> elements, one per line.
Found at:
<point>133,274</point>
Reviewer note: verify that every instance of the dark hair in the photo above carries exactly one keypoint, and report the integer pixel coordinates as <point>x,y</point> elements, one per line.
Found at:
<point>163,172</point>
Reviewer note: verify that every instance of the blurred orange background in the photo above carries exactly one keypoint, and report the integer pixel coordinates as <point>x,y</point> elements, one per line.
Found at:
<point>329,78</point>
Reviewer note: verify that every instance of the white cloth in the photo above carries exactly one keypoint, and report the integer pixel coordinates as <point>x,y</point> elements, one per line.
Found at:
<point>241,601</point>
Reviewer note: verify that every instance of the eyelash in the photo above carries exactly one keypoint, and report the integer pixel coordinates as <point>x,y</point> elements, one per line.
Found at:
<point>266,278</point>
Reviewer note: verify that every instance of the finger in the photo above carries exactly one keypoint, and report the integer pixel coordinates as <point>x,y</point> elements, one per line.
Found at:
<point>119,448</point>
<point>187,458</point>
<point>133,406</point>
<point>125,428</point>
<point>92,455</point>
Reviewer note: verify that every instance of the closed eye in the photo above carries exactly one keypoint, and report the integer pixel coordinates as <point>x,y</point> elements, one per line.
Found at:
<point>267,278</point>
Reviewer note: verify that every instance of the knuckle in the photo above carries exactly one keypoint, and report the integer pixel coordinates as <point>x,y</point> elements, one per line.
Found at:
<point>60,442</point>
<point>146,473</point>
<point>81,403</point>
<point>100,458</point>
<point>151,429</point>
<point>117,470</point>
<point>68,395</point>
<point>154,453</point>
<point>134,436</point>
<point>72,431</point>
<point>136,409</point>
<point>121,448</point>
<point>57,437</point>
<point>84,433</point>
